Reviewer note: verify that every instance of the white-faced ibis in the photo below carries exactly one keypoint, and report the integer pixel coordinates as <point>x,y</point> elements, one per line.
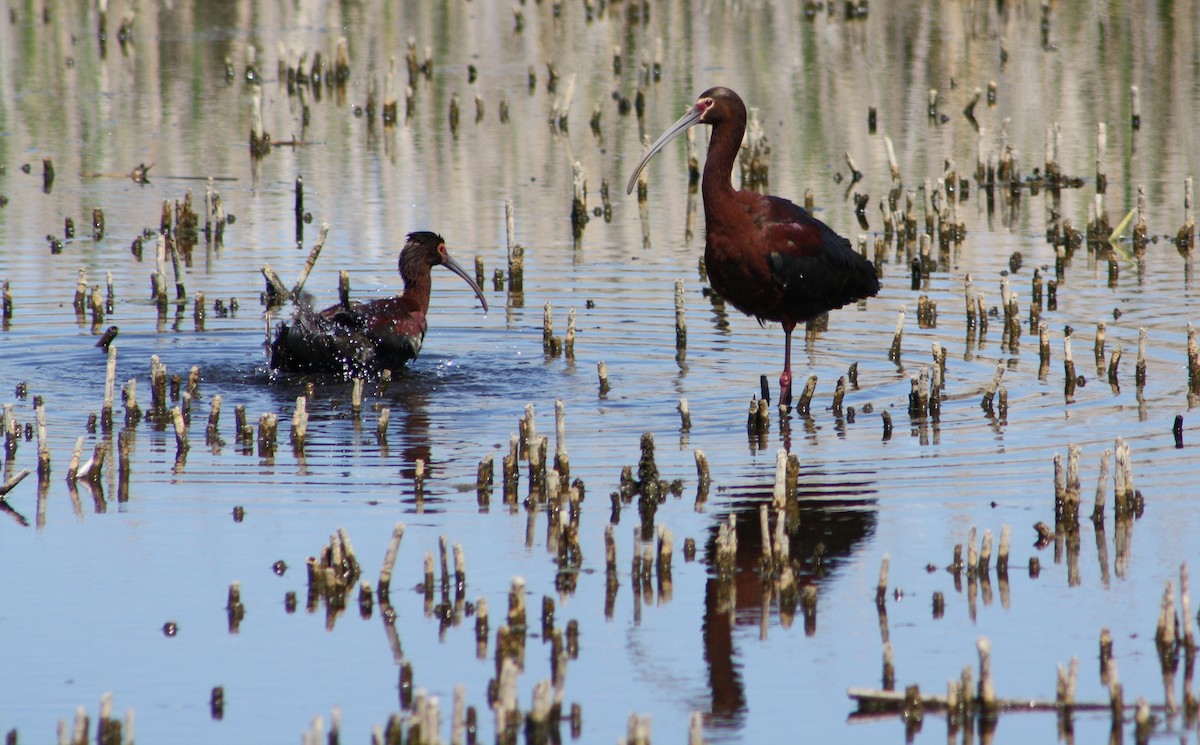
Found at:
<point>766,256</point>
<point>366,338</point>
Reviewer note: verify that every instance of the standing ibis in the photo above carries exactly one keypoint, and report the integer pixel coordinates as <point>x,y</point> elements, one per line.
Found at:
<point>365,338</point>
<point>766,256</point>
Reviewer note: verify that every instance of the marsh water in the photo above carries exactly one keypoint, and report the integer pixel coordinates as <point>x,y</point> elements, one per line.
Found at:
<point>124,590</point>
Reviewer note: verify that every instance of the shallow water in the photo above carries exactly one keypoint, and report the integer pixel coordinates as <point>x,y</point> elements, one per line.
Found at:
<point>92,582</point>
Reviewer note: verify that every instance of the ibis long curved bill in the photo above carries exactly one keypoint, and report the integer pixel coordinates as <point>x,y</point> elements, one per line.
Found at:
<point>449,262</point>
<point>687,120</point>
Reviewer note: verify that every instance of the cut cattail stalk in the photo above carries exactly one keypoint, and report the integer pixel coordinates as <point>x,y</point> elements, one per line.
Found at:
<point>356,396</point>
<point>133,412</point>
<point>516,252</point>
<point>579,211</point>
<point>569,342</point>
<point>43,446</point>
<point>214,417</point>
<point>703,478</point>
<point>969,295</point>
<point>267,424</point>
<point>893,165</point>
<point>1101,483</point>
<point>300,423</point>
<point>91,470</point>
<point>1068,367</point>
<point>73,466</point>
<point>1114,365</point>
<point>881,585</point>
<point>985,553</point>
<point>110,383</point>
<point>855,174</point>
<point>894,350</point>
<point>245,432</point>
<point>389,562</point>
<point>312,259</point>
<point>548,338</point>
<point>680,319</point>
<point>381,427</point>
<point>80,302</point>
<point>989,392</point>
<point>1124,498</point>
<point>804,402</point>
<point>181,436</point>
<point>1186,237</point>
<point>779,499</point>
<point>97,308</point>
<point>1002,556</point>
<point>685,415</point>
<point>1193,356</point>
<point>484,480</point>
<point>839,395</point>
<point>1140,365</point>
<point>12,482</point>
<point>277,292</point>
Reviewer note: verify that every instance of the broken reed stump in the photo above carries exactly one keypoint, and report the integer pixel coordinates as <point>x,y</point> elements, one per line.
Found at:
<point>516,252</point>
<point>484,480</point>
<point>260,140</point>
<point>300,424</point>
<point>267,427</point>
<point>894,350</point>
<point>389,562</point>
<point>579,211</point>
<point>680,319</point>
<point>1185,239</point>
<point>1068,368</point>
<point>804,402</point>
<point>703,478</point>
<point>43,447</point>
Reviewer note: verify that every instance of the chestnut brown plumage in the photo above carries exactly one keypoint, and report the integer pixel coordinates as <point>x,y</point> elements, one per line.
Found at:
<point>366,338</point>
<point>766,256</point>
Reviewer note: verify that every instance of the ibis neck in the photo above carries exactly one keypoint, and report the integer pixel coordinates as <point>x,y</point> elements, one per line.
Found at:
<point>416,290</point>
<point>718,166</point>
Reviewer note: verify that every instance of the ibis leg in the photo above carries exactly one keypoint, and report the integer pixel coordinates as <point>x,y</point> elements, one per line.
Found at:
<point>785,379</point>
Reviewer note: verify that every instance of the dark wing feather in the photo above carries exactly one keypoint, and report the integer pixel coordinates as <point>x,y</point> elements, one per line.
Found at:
<point>815,268</point>
<point>362,339</point>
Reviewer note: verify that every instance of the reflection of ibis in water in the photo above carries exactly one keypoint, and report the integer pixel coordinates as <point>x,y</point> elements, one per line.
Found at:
<point>768,257</point>
<point>830,528</point>
<point>364,338</point>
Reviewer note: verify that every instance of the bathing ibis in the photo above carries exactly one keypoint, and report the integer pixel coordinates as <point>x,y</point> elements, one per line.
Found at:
<point>366,338</point>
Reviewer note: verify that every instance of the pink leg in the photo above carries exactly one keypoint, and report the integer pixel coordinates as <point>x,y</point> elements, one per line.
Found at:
<point>785,379</point>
